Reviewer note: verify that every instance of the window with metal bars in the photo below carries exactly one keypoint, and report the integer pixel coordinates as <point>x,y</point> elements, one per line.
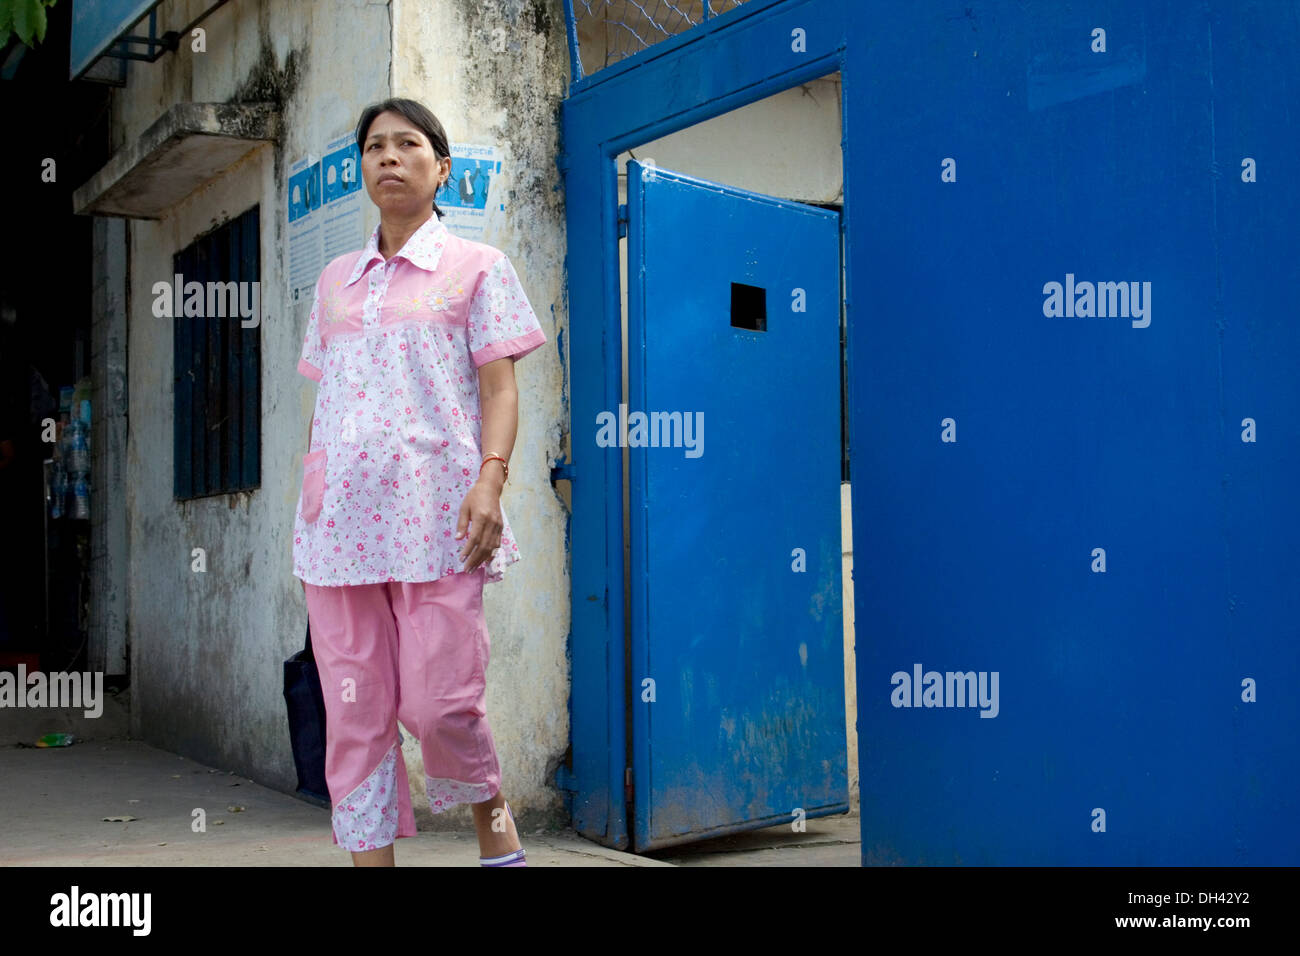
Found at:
<point>218,396</point>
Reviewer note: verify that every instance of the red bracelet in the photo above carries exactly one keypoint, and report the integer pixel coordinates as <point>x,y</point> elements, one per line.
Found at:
<point>489,458</point>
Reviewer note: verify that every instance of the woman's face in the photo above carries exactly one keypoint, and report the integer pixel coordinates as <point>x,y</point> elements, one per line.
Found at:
<point>399,166</point>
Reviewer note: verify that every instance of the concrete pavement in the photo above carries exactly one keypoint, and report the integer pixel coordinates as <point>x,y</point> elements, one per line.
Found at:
<point>54,802</point>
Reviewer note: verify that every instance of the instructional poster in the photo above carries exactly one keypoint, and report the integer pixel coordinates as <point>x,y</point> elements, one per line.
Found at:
<point>467,195</point>
<point>342,225</point>
<point>305,238</point>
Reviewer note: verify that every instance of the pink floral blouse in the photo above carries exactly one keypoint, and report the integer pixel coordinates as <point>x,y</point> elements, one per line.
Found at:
<point>395,348</point>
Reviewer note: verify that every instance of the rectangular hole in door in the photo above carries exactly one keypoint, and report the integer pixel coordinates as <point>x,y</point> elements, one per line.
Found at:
<point>748,307</point>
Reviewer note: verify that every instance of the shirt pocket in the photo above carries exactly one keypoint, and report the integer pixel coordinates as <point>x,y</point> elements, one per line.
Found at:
<point>313,484</point>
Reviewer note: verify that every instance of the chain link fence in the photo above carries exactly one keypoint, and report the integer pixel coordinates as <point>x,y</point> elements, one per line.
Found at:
<point>608,31</point>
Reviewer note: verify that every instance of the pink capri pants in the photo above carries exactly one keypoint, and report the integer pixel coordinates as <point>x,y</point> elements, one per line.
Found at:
<point>410,651</point>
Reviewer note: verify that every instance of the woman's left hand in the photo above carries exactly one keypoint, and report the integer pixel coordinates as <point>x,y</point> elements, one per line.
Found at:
<point>481,513</point>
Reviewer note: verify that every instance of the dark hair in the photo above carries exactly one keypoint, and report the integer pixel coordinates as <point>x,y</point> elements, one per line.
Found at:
<point>416,113</point>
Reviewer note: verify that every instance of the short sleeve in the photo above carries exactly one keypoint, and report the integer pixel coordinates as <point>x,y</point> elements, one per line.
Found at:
<point>312,361</point>
<point>501,322</point>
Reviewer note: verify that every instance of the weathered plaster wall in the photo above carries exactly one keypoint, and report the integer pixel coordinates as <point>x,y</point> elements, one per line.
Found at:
<point>206,649</point>
<point>495,74</point>
<point>108,537</point>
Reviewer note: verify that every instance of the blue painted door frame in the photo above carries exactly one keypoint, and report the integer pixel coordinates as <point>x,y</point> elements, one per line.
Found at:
<point>599,777</point>
<point>1097,507</point>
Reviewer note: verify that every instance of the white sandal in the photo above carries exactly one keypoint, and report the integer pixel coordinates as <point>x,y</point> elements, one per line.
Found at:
<point>513,858</point>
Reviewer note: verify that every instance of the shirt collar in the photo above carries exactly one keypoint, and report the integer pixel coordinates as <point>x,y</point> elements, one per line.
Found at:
<point>423,249</point>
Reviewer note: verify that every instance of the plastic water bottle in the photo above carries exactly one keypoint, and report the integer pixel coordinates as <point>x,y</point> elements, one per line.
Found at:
<point>79,452</point>
<point>81,498</point>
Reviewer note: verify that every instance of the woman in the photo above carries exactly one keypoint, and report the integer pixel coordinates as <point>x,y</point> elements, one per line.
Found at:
<point>412,343</point>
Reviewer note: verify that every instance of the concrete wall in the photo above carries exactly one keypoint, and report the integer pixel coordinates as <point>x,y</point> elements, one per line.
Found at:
<point>206,649</point>
<point>109,607</point>
<point>496,74</point>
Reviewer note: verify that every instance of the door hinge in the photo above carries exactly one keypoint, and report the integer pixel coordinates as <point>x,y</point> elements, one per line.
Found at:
<point>562,471</point>
<point>622,219</point>
<point>627,784</point>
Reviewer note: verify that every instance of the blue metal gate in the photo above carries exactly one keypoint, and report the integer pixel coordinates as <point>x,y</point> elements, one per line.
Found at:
<point>1093,507</point>
<point>733,435</point>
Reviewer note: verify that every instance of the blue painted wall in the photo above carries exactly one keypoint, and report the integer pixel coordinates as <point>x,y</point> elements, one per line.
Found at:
<point>1119,690</point>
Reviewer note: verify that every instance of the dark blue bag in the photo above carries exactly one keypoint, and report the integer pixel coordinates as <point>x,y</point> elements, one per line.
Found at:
<point>306,703</point>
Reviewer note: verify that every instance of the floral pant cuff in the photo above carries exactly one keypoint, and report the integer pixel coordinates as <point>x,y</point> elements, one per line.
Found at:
<point>367,818</point>
<point>445,793</point>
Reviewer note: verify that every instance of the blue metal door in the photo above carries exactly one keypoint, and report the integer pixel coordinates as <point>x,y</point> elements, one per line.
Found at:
<point>733,436</point>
